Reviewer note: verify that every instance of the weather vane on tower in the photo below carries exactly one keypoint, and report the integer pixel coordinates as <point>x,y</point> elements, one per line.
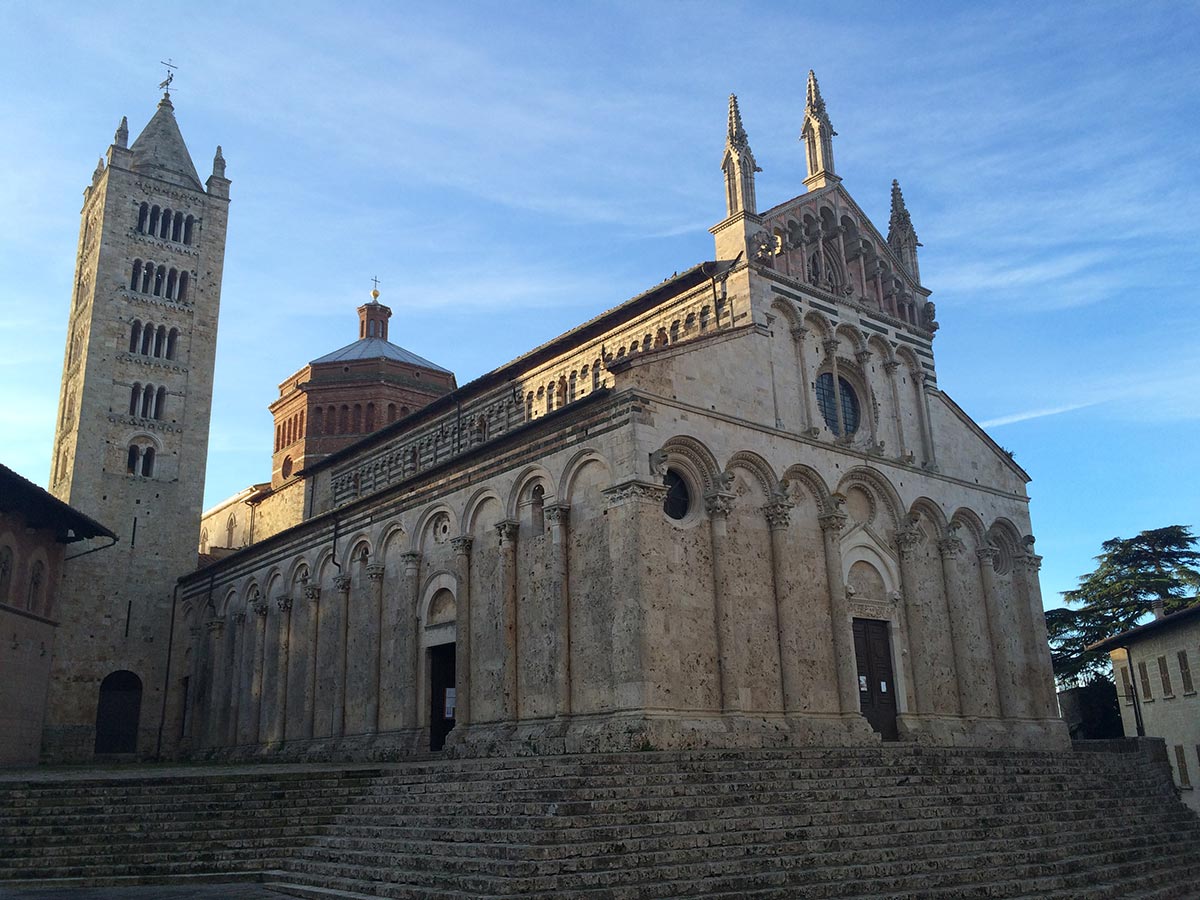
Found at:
<point>166,82</point>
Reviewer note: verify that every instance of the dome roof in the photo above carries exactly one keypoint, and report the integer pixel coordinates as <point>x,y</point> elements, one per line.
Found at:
<point>377,348</point>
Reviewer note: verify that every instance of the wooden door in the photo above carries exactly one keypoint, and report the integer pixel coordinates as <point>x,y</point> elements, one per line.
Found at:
<point>876,683</point>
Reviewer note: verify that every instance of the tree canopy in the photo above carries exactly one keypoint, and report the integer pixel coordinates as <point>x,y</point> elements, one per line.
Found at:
<point>1132,575</point>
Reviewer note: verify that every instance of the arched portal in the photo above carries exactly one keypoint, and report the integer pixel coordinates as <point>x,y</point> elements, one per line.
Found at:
<point>118,712</point>
<point>440,660</point>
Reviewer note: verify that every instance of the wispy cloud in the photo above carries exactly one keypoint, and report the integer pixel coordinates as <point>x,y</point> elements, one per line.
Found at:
<point>1034,414</point>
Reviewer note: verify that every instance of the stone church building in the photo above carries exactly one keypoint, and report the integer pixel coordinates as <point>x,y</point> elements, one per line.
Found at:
<point>737,509</point>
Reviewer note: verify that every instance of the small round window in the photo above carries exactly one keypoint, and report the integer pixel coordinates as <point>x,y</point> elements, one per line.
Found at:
<point>827,400</point>
<point>679,497</point>
<point>287,467</point>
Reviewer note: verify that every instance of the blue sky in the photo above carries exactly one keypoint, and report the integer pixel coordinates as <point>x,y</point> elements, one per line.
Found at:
<point>510,169</point>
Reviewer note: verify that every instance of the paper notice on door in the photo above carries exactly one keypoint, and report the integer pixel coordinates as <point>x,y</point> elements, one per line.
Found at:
<point>450,700</point>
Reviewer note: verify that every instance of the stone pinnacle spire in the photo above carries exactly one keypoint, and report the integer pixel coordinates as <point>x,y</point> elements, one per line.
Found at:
<point>738,164</point>
<point>901,236</point>
<point>817,135</point>
<point>737,134</point>
<point>121,138</point>
<point>160,150</point>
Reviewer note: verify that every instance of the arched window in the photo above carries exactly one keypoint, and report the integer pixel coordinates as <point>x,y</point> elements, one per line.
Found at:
<point>203,540</point>
<point>135,335</point>
<point>177,227</point>
<point>529,406</point>
<point>152,228</point>
<point>147,277</point>
<point>678,501</point>
<point>571,389</point>
<point>344,423</point>
<point>370,417</point>
<point>135,280</point>
<point>37,578</point>
<point>160,275</point>
<point>160,340</point>
<point>143,213</point>
<point>562,391</point>
<point>181,293</point>
<point>403,411</point>
<point>172,277</point>
<point>331,420</point>
<point>160,403</point>
<point>148,462</point>
<point>187,230</point>
<point>827,402</point>
<point>6,571</point>
<point>172,343</point>
<point>596,375</point>
<point>165,231</point>
<point>537,509</point>
<point>278,437</point>
<point>134,457</point>
<point>230,526</point>
<point>147,401</point>
<point>357,418</point>
<point>318,420</point>
<point>391,413</point>
<point>135,398</point>
<point>550,397</point>
<point>147,338</point>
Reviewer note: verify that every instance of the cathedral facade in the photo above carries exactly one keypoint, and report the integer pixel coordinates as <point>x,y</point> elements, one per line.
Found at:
<point>734,510</point>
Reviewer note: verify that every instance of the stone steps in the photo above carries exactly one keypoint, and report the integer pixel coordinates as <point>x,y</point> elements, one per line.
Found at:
<point>822,823</point>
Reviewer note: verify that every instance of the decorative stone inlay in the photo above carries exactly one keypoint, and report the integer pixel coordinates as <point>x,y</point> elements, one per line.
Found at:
<point>284,604</point>
<point>341,584</point>
<point>375,572</point>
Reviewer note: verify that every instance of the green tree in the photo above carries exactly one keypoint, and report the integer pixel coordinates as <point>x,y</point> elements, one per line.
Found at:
<point>1133,574</point>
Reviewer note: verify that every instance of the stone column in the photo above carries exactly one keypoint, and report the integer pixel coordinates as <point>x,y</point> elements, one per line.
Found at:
<point>341,584</point>
<point>920,663</point>
<point>214,713</point>
<point>374,644</point>
<point>258,674</point>
<point>972,652</point>
<point>283,670</point>
<point>799,333</point>
<point>833,520</point>
<point>890,366</point>
<point>312,599</point>
<point>718,502</point>
<point>923,413</point>
<point>779,518</point>
<point>831,348</point>
<point>410,623</point>
<point>268,707</point>
<point>462,632</point>
<point>999,627</point>
<point>237,657</point>
<point>868,411</point>
<point>1040,669</point>
<point>556,518</point>
<point>507,531</point>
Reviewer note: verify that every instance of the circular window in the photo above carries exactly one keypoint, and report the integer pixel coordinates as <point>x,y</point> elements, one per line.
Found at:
<point>679,497</point>
<point>287,467</point>
<point>827,400</point>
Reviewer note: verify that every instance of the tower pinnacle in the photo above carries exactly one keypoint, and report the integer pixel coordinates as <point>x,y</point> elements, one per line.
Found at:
<point>901,236</point>
<point>738,164</point>
<point>817,135</point>
<point>121,138</point>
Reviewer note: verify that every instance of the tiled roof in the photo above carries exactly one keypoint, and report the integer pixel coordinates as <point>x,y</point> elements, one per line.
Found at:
<point>377,348</point>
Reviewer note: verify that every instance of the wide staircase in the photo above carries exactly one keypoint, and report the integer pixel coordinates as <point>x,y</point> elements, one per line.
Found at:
<point>884,822</point>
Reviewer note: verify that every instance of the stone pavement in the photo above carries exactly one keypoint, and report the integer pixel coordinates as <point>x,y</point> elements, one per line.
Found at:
<point>241,891</point>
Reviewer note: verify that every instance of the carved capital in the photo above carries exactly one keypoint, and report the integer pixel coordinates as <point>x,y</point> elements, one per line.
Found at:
<point>890,366</point>
<point>987,555</point>
<point>1030,562</point>
<point>261,608</point>
<point>239,618</point>
<point>779,514</point>
<point>507,531</point>
<point>557,515</point>
<point>462,544</point>
<point>284,604</point>
<point>341,584</point>
<point>375,572</point>
<point>635,491</point>
<point>799,332</point>
<point>830,345</point>
<point>950,547</point>
<point>907,539</point>
<point>215,626</point>
<point>718,503</point>
<point>833,521</point>
<point>312,592</point>
<point>863,357</point>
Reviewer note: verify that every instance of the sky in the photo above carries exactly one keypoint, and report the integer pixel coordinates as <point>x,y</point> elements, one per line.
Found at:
<point>508,170</point>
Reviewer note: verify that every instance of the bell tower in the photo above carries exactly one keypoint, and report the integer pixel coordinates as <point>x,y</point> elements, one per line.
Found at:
<point>131,438</point>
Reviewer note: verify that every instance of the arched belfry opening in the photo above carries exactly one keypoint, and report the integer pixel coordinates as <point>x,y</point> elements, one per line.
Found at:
<point>118,712</point>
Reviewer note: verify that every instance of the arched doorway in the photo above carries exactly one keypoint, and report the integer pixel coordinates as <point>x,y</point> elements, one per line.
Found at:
<point>440,665</point>
<point>117,713</point>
